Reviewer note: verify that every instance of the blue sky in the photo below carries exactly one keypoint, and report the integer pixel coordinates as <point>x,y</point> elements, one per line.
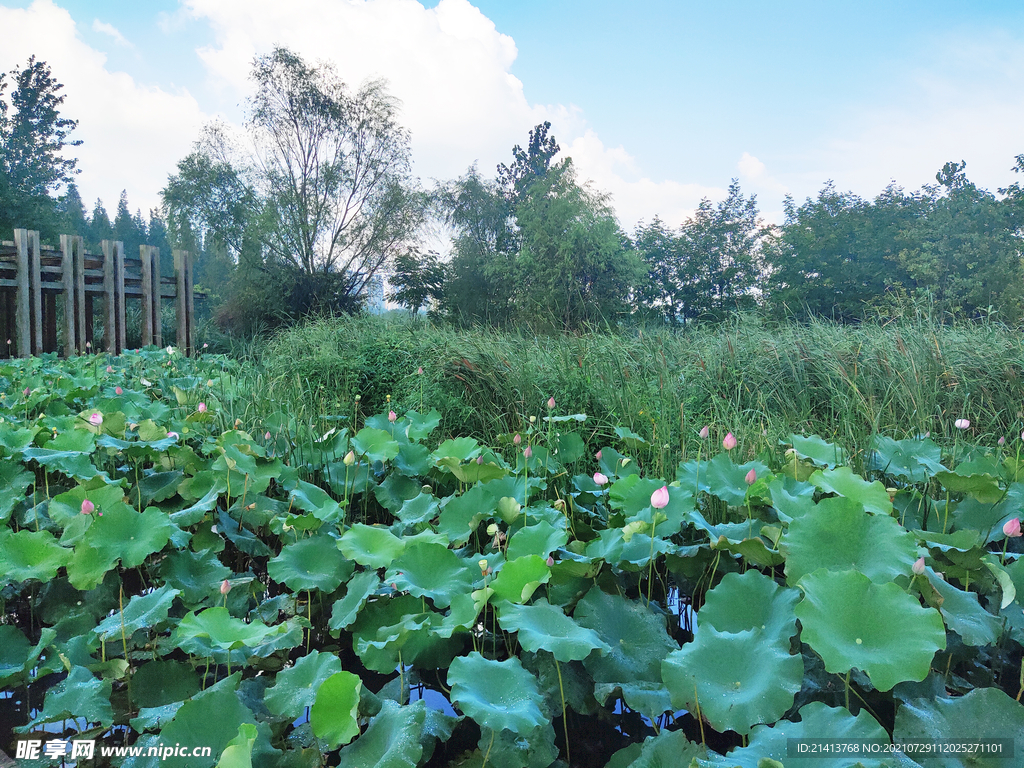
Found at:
<point>659,103</point>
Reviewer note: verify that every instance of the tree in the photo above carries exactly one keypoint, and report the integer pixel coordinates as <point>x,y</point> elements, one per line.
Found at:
<point>100,228</point>
<point>528,165</point>
<point>33,137</point>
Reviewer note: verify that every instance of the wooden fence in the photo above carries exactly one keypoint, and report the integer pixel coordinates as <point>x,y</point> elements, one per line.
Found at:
<point>33,277</point>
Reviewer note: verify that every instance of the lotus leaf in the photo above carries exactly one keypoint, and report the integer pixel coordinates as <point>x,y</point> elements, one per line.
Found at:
<point>335,710</point>
<point>196,575</point>
<point>14,481</point>
<point>499,695</point>
<point>359,588</point>
<point>238,752</point>
<point>911,460</point>
<point>841,536</point>
<point>311,563</point>
<point>371,546</point>
<point>539,539</point>
<point>30,556</point>
<point>728,481</point>
<point>751,601</point>
<point>79,695</point>
<point>819,451</point>
<point>295,688</point>
<point>17,655</point>
<point>159,683</point>
<point>223,631</point>
<point>964,615</point>
<point>518,579</point>
<point>878,628</point>
<point>668,748</point>
<point>431,570</point>
<point>210,718</point>
<point>872,496</point>
<point>141,612</point>
<point>311,498</point>
<point>393,740</point>
<point>542,626</point>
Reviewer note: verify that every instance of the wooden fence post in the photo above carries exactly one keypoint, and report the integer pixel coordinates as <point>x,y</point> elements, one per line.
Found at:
<point>110,310</point>
<point>158,326</point>
<point>23,320</point>
<point>35,277</point>
<point>119,290</point>
<point>67,276</point>
<point>84,333</point>
<point>147,294</point>
<point>184,300</point>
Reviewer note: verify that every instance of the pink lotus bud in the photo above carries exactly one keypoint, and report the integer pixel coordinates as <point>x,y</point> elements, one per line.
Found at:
<point>266,436</point>
<point>27,391</point>
<point>110,369</point>
<point>225,587</point>
<point>392,417</point>
<point>419,371</point>
<point>704,432</point>
<point>1001,441</point>
<point>350,459</point>
<point>479,459</point>
<point>528,452</point>
<point>600,479</point>
<point>729,442</point>
<point>550,561</point>
<point>517,440</point>
<point>88,345</point>
<point>202,408</point>
<point>659,499</point>
<point>551,403</point>
<point>1011,528</point>
<point>598,455</point>
<point>962,423</point>
<point>206,345</point>
<point>88,507</point>
<point>118,391</point>
<point>96,419</point>
<point>918,566</point>
<point>751,477</point>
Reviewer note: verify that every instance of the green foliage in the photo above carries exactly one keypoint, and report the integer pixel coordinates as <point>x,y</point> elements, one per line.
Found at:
<point>286,608</point>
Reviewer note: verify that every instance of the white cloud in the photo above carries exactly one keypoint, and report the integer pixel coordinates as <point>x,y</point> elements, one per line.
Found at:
<point>111,31</point>
<point>133,134</point>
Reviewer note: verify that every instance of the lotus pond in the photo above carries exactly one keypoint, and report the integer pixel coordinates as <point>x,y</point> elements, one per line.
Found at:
<point>376,594</point>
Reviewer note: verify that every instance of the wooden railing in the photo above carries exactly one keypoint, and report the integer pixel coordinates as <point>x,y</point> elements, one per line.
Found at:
<point>32,278</point>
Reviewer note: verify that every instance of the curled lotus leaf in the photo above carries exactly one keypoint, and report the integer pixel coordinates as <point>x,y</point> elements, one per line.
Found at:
<point>500,695</point>
<point>542,626</point>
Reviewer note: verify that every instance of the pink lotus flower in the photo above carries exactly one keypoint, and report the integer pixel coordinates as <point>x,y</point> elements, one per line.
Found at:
<point>419,371</point>
<point>88,507</point>
<point>110,369</point>
<point>550,561</point>
<point>118,391</point>
<point>551,403</point>
<point>225,587</point>
<point>202,408</point>
<point>479,459</point>
<point>659,499</point>
<point>600,479</point>
<point>528,452</point>
<point>517,440</point>
<point>27,391</point>
<point>206,345</point>
<point>962,423</point>
<point>704,432</point>
<point>392,417</point>
<point>173,435</point>
<point>751,477</point>
<point>598,455</point>
<point>918,567</point>
<point>1001,441</point>
<point>729,442</point>
<point>96,419</point>
<point>1011,528</point>
<point>266,436</point>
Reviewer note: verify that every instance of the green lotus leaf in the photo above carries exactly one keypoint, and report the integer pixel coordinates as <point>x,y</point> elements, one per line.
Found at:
<point>817,721</point>
<point>345,610</point>
<point>651,699</point>
<point>817,450</point>
<point>382,627</point>
<point>728,481</point>
<point>413,460</point>
<point>196,575</point>
<point>1006,584</point>
<point>211,718</point>
<point>396,490</point>
<point>223,631</point>
<point>983,713</point>
<point>14,481</point>
<point>842,481</point>
<point>295,688</point>
<point>542,626</point>
<point>238,752</point>
<point>141,612</point>
<point>751,601</point>
<point>635,634</point>
<point>791,498</point>
<point>421,424</point>
<point>505,749</point>
<point>461,448</point>
<point>518,579</point>
<point>311,498</point>
<point>852,622</point>
<point>668,748</point>
<point>334,715</point>
<point>461,516</point>
<point>964,615</point>
<point>421,509</point>
<point>375,444</point>
<point>983,487</point>
<point>739,679</point>
<point>79,695</point>
<point>17,655</point>
<point>393,740</point>
<point>158,683</point>
<point>577,685</point>
<point>472,472</point>
<point>311,563</point>
<point>540,539</point>
<point>67,507</point>
<point>841,536</point>
<point>160,486</point>
<point>912,460</point>
<point>122,533</point>
<point>462,615</point>
<point>570,447</point>
<point>431,570</point>
<point>30,556</point>
<point>499,695</point>
<point>14,439</point>
<point>371,546</point>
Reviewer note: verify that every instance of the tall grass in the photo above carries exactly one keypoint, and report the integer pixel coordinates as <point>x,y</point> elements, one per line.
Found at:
<point>759,380</point>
